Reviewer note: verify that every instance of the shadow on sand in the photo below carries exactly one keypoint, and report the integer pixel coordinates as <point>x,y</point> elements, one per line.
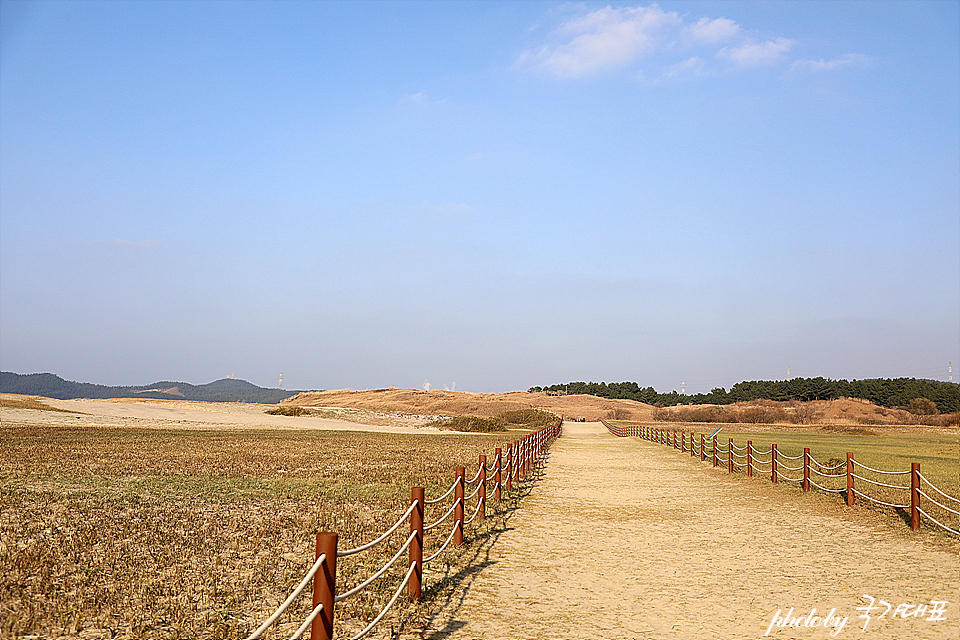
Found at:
<point>446,589</point>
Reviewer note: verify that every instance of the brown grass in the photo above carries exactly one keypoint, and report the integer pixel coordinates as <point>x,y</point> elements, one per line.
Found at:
<point>487,405</point>
<point>16,401</point>
<point>122,532</point>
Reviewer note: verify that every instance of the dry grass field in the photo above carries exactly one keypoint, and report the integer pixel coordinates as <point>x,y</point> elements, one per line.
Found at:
<point>184,533</point>
<point>194,520</point>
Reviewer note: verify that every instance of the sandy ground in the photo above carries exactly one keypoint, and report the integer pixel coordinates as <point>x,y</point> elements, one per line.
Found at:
<point>624,539</point>
<point>173,414</point>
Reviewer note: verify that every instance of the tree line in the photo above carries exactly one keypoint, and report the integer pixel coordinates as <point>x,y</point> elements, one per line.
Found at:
<point>885,392</point>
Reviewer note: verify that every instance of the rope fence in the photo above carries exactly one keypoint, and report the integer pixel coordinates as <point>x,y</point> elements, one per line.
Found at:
<point>851,483</point>
<point>508,467</point>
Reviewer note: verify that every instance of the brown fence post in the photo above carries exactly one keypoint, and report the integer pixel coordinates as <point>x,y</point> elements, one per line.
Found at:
<point>482,495</point>
<point>730,455</point>
<point>773,463</point>
<point>749,458</point>
<point>692,435</point>
<point>806,468</point>
<point>325,586</point>
<point>915,495</point>
<point>703,449</point>
<point>850,495</point>
<point>716,461</point>
<point>498,494</point>
<point>509,468</point>
<point>416,545</point>
<point>458,509</point>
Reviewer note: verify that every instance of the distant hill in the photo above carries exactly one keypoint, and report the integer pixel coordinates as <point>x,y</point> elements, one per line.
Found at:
<point>49,385</point>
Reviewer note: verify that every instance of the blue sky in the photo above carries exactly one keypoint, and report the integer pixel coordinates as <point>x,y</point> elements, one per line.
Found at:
<point>483,196</point>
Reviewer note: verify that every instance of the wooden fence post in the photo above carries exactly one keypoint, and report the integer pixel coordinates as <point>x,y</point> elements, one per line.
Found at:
<point>915,495</point>
<point>482,495</point>
<point>509,468</point>
<point>703,449</point>
<point>325,586</point>
<point>458,509</point>
<point>806,468</point>
<point>773,463</point>
<point>498,494</point>
<point>692,435</point>
<point>416,545</point>
<point>716,461</point>
<point>730,455</point>
<point>850,495</point>
<point>749,458</point>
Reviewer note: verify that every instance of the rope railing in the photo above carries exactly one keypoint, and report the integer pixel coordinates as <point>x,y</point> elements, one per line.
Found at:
<point>449,512</point>
<point>443,547</point>
<point>937,522</point>
<point>823,488</point>
<point>921,491</point>
<point>286,603</point>
<point>709,449</point>
<point>516,463</point>
<point>474,494</point>
<point>376,621</point>
<point>370,545</point>
<point>441,498</point>
<point>363,585</point>
<point>476,477</point>
<point>892,473</point>
<point>932,486</point>
<point>880,484</point>
<point>828,475</point>
<point>887,504</point>
<point>825,467</point>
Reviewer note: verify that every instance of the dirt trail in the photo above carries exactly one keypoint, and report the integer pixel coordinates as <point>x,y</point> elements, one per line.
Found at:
<point>676,550</point>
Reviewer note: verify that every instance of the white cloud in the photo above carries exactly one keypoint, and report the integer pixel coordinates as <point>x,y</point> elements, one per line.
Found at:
<point>691,66</point>
<point>603,39</point>
<point>421,99</point>
<point>657,45</point>
<point>707,31</point>
<point>757,54</point>
<point>814,66</point>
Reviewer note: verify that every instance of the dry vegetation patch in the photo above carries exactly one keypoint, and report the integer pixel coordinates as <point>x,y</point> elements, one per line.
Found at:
<point>16,401</point>
<point>161,533</point>
<point>487,405</point>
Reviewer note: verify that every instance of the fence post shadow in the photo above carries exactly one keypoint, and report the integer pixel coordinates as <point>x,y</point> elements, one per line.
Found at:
<point>447,593</point>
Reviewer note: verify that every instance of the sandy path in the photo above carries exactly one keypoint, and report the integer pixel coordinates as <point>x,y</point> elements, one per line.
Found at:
<point>677,550</point>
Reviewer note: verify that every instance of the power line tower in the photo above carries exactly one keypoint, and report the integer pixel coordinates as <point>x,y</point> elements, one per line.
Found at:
<point>281,379</point>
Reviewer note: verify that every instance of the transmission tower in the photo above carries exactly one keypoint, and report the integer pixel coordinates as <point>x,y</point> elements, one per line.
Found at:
<point>281,379</point>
